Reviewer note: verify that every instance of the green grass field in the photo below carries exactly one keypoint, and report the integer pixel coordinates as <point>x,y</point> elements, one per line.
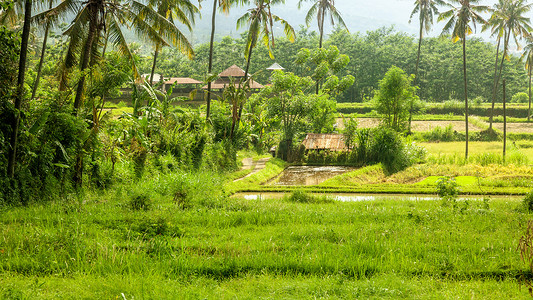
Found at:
<point>261,249</point>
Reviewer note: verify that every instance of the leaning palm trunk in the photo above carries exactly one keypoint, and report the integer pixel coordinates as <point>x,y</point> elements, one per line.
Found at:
<point>85,61</point>
<point>529,109</point>
<point>153,65</point>
<point>466,98</point>
<point>41,60</point>
<point>505,43</point>
<point>416,70</point>
<point>494,83</point>
<point>320,43</point>
<point>20,89</point>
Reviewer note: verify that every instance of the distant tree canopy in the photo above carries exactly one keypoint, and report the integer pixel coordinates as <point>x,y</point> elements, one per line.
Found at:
<point>371,55</point>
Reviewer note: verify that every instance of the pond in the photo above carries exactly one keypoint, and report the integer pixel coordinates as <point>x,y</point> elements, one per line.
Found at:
<point>350,197</point>
<point>309,175</point>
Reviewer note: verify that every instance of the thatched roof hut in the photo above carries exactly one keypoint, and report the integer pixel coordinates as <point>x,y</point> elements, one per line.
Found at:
<point>237,74</point>
<point>325,141</point>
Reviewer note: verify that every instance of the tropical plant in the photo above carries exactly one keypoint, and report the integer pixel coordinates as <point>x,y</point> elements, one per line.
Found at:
<point>458,23</point>
<point>425,9</point>
<point>182,11</point>
<point>47,26</point>
<point>394,98</point>
<point>224,6</point>
<point>95,17</point>
<point>513,23</point>
<point>527,56</point>
<point>260,21</point>
<point>20,89</point>
<point>320,9</point>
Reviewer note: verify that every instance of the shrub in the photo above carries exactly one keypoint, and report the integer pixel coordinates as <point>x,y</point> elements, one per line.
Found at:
<point>301,196</point>
<point>447,190</point>
<point>520,97</point>
<point>528,201</point>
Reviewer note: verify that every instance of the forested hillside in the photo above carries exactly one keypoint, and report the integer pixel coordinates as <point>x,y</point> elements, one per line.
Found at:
<point>371,55</point>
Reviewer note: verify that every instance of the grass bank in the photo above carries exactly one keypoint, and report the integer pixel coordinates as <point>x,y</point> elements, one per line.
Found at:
<point>103,248</point>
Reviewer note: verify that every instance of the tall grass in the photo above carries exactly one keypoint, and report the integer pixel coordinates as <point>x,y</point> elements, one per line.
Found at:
<point>103,249</point>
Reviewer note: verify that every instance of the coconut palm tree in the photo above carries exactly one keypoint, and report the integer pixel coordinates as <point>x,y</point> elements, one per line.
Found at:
<point>320,9</point>
<point>260,21</point>
<point>224,6</point>
<point>20,89</point>
<point>426,9</point>
<point>93,18</point>
<point>461,20</point>
<point>513,22</point>
<point>527,56</point>
<point>497,29</point>
<point>182,11</point>
<point>47,26</point>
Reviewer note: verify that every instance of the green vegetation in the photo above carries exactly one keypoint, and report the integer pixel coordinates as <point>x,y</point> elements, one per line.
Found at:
<point>114,185</point>
<point>103,248</point>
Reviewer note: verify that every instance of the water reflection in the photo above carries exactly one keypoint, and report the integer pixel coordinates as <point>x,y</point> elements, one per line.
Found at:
<point>309,175</point>
<point>346,197</point>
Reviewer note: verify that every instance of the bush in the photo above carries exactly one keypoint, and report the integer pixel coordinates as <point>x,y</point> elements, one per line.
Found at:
<point>447,190</point>
<point>301,196</point>
<point>528,201</point>
<point>520,97</point>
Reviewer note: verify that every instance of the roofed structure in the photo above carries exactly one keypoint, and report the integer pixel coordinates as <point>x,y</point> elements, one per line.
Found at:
<point>181,80</point>
<point>232,72</point>
<point>325,141</point>
<point>275,66</point>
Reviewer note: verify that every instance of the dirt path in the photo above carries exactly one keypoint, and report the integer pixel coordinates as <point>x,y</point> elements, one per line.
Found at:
<point>249,163</point>
<point>416,125</point>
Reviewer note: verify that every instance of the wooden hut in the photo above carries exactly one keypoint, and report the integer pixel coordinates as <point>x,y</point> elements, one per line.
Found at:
<point>324,141</point>
<point>225,79</point>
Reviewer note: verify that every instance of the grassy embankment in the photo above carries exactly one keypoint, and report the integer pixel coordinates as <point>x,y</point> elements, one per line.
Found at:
<point>485,173</point>
<point>103,248</point>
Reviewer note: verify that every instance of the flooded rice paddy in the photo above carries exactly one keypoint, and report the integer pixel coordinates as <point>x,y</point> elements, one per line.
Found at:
<point>309,175</point>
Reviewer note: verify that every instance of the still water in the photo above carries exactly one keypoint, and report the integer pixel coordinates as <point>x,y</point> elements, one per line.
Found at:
<point>309,175</point>
<point>347,197</point>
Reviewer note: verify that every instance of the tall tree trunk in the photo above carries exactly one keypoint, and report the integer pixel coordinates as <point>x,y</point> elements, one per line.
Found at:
<point>494,83</point>
<point>252,45</point>
<point>505,44</point>
<point>85,59</point>
<point>416,70</point>
<point>153,65</point>
<point>504,123</point>
<point>248,62</point>
<point>529,109</point>
<point>20,89</point>
<point>321,27</point>
<point>41,60</point>
<point>466,98</point>
<point>210,66</point>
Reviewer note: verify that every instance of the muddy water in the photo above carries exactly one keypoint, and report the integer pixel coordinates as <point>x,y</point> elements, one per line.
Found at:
<point>348,197</point>
<point>309,175</point>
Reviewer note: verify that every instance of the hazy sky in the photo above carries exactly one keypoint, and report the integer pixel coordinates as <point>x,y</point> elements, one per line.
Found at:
<point>358,15</point>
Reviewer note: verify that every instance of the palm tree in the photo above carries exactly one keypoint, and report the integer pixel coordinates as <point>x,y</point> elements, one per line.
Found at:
<point>93,18</point>
<point>513,24</point>
<point>458,23</point>
<point>20,89</point>
<point>321,8</point>
<point>224,6</point>
<point>425,9</point>
<point>182,11</point>
<point>496,26</point>
<point>43,50</point>
<point>260,21</point>
<point>528,57</point>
